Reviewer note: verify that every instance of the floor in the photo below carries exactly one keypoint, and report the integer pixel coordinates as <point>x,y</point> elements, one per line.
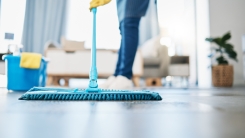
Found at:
<point>183,113</point>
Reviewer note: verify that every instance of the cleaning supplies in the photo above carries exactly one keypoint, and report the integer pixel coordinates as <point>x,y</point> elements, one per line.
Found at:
<point>23,79</point>
<point>92,92</point>
<point>30,60</point>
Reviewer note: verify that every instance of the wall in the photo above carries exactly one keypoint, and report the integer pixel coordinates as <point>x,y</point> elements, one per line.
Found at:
<point>203,48</point>
<point>12,20</point>
<point>228,15</point>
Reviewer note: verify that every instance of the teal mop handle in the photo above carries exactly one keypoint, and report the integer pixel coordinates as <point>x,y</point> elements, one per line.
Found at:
<point>93,70</point>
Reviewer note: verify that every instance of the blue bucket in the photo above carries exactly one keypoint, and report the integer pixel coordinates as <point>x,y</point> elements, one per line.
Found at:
<point>22,79</point>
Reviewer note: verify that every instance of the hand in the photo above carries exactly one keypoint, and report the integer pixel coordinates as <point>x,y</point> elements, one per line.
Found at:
<point>96,3</point>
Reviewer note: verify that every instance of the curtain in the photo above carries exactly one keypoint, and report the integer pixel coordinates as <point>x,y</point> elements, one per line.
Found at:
<point>44,21</point>
<point>149,26</point>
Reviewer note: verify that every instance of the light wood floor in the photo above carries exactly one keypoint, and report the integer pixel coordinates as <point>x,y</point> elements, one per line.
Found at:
<point>183,113</point>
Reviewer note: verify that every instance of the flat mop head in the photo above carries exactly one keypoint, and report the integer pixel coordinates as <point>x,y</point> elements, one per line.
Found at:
<point>42,93</point>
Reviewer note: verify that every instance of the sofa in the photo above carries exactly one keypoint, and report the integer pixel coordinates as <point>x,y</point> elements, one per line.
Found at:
<point>156,61</point>
<point>74,62</point>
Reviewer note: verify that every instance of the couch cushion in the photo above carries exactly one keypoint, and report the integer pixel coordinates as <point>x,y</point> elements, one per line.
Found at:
<point>150,47</point>
<point>151,61</point>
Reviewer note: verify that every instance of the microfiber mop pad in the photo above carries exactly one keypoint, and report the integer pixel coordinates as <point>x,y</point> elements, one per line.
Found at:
<point>92,92</point>
<point>41,93</point>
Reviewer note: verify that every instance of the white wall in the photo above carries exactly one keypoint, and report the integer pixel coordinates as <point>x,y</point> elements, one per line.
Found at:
<point>229,15</point>
<point>203,48</point>
<point>12,20</point>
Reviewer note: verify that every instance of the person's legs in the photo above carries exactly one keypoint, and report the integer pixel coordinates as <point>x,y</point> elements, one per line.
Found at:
<point>130,34</point>
<point>118,62</point>
<point>129,29</point>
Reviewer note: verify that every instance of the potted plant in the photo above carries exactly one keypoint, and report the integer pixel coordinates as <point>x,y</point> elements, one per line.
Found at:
<point>222,74</point>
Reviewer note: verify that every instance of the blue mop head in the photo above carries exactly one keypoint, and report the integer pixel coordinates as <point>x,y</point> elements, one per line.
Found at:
<point>42,93</point>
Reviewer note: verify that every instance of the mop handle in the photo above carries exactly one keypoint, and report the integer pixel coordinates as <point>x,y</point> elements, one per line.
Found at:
<point>93,52</point>
<point>93,70</point>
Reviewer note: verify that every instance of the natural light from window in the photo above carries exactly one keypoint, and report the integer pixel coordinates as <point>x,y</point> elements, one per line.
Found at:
<point>79,24</point>
<point>12,20</point>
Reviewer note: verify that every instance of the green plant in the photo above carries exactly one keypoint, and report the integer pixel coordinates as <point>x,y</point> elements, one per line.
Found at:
<point>223,47</point>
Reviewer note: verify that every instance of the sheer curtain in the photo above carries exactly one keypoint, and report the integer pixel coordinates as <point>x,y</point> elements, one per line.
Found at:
<point>149,26</point>
<point>44,21</point>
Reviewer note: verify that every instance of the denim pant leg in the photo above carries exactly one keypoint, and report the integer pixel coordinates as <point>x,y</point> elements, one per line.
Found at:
<point>129,29</point>
<point>119,57</point>
<point>118,62</point>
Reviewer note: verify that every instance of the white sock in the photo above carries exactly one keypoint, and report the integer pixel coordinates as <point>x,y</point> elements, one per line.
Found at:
<point>121,83</point>
<point>108,82</point>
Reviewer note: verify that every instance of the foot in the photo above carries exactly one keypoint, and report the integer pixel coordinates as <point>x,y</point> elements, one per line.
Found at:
<point>107,83</point>
<point>121,83</point>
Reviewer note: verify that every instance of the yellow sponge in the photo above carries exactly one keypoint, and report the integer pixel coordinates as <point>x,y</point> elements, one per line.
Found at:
<point>30,60</point>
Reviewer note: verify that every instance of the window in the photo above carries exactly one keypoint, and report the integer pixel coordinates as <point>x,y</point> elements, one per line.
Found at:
<point>79,24</point>
<point>11,22</point>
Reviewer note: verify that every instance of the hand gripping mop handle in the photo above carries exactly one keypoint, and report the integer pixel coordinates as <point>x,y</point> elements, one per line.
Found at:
<point>93,86</point>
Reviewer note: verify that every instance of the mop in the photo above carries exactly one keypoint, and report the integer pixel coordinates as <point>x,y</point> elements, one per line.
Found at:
<point>92,92</point>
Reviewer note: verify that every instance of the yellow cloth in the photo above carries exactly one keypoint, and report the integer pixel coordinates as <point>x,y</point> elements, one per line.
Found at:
<point>96,3</point>
<point>30,60</point>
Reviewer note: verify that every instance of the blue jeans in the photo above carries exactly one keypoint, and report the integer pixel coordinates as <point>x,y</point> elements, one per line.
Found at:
<point>129,29</point>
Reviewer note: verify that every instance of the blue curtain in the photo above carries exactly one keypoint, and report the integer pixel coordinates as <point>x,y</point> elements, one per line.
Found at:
<point>44,21</point>
<point>149,26</point>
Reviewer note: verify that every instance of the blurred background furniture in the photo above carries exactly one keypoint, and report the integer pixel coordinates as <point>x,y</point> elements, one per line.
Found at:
<point>179,66</point>
<point>156,62</point>
<point>72,63</point>
<point>155,68</point>
<point>2,64</point>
